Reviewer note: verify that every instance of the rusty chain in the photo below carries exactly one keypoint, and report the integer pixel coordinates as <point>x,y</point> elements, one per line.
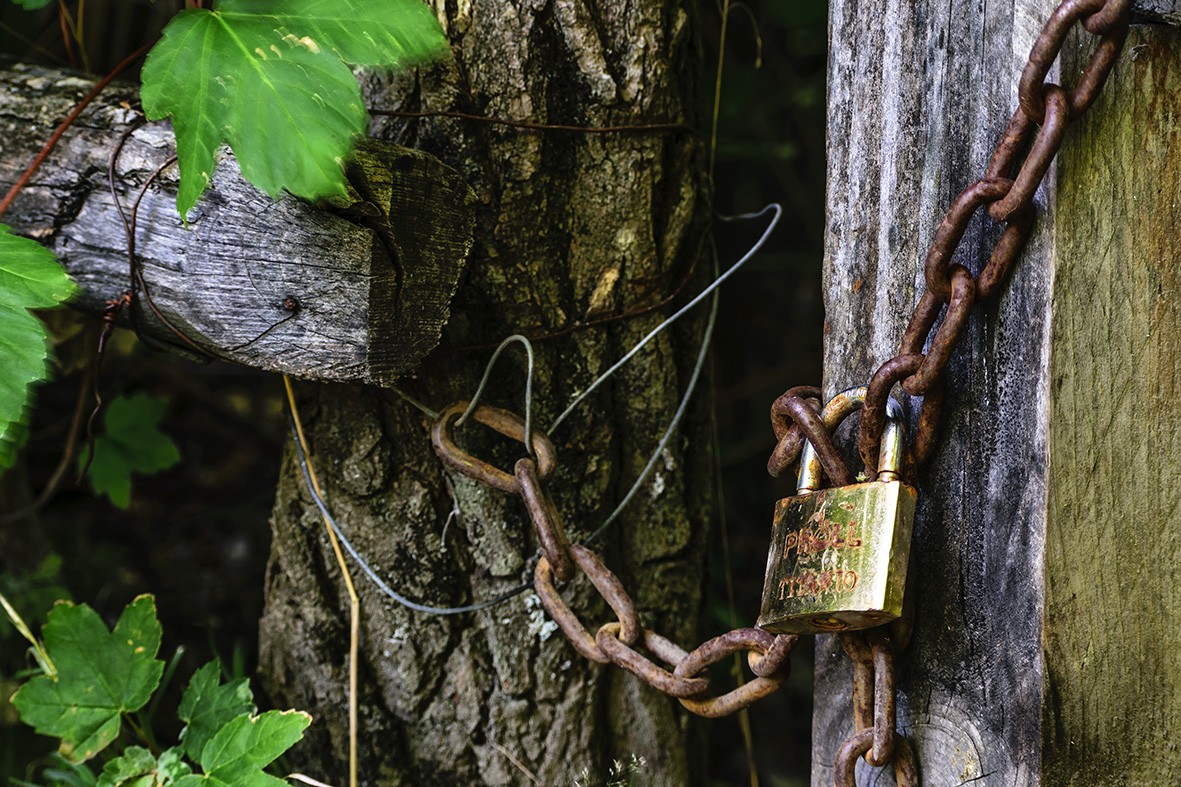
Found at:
<point>1006,191</point>
<point>624,642</point>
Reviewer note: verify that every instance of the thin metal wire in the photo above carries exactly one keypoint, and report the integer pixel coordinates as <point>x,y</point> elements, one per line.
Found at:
<point>475,400</point>
<point>428,412</point>
<point>694,378</point>
<point>778,211</point>
<point>369,572</point>
<point>702,354</point>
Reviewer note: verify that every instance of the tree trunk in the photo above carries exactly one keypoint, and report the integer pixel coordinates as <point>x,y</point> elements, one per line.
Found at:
<point>570,226</point>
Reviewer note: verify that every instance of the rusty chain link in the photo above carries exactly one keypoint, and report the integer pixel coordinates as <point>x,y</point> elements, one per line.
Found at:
<point>1017,167</point>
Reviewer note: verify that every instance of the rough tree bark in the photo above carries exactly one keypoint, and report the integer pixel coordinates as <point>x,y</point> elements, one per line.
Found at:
<point>569,226</point>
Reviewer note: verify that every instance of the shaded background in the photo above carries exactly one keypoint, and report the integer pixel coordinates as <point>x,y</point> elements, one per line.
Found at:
<point>197,536</point>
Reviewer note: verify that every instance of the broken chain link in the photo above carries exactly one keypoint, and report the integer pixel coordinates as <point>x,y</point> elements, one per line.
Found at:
<point>623,642</point>
<point>1019,164</point>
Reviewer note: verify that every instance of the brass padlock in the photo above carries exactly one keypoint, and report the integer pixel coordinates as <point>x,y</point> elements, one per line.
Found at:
<point>838,556</point>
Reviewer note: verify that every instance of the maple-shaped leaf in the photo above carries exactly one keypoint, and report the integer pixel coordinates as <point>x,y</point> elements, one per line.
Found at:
<point>236,755</point>
<point>131,442</point>
<point>30,278</point>
<point>271,78</point>
<point>208,705</point>
<point>101,675</point>
<point>138,767</point>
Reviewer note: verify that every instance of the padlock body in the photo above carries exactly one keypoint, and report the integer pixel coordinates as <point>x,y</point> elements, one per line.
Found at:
<point>838,559</point>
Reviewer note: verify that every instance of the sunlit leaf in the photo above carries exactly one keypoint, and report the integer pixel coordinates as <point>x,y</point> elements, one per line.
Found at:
<point>270,78</point>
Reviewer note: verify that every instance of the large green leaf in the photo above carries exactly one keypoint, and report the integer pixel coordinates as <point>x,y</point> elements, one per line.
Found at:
<point>100,675</point>
<point>30,278</point>
<point>131,442</point>
<point>270,78</point>
<point>208,705</point>
<point>236,755</point>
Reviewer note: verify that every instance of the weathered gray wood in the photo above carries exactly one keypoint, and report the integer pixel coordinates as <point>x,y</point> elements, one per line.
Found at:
<point>1018,673</point>
<point>372,276</point>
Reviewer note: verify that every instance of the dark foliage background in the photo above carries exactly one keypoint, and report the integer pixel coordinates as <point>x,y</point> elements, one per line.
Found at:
<point>197,535</point>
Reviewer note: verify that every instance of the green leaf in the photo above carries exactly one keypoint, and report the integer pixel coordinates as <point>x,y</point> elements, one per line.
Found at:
<point>236,755</point>
<point>135,761</point>
<point>100,675</point>
<point>131,442</point>
<point>32,5</point>
<point>136,767</point>
<point>171,766</point>
<point>270,78</point>
<point>30,278</point>
<point>208,705</point>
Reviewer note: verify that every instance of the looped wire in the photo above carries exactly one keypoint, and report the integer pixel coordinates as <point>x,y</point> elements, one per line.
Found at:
<point>527,439</point>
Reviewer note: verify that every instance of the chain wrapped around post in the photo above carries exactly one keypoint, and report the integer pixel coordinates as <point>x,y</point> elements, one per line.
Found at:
<point>1017,168</point>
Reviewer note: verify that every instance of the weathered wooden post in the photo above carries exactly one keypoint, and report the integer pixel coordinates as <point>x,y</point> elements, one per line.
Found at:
<point>359,291</point>
<point>1049,525</point>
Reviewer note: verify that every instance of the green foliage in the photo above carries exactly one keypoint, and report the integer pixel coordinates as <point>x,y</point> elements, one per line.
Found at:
<point>32,5</point>
<point>30,278</point>
<point>208,705</point>
<point>271,78</point>
<point>138,768</point>
<point>236,755</point>
<point>101,675</point>
<point>131,442</point>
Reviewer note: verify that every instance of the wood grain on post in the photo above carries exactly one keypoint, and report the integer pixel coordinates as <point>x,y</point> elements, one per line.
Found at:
<point>358,290</point>
<point>1048,631</point>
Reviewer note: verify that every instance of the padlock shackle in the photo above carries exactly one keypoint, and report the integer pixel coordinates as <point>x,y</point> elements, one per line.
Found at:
<point>837,410</point>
